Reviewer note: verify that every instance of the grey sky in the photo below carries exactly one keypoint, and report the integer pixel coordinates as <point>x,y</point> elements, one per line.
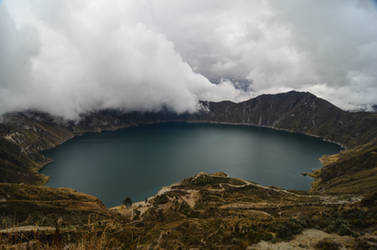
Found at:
<point>68,57</point>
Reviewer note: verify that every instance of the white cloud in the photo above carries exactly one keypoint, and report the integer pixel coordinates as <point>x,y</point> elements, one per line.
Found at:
<point>280,45</point>
<point>69,57</point>
<point>91,55</point>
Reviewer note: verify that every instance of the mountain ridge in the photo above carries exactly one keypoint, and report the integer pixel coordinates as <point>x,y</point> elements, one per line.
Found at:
<point>298,112</point>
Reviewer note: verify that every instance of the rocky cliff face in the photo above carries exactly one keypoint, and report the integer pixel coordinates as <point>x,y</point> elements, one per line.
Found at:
<point>298,112</point>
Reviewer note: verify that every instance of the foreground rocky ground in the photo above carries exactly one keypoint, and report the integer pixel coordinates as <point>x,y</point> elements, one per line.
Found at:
<point>207,211</point>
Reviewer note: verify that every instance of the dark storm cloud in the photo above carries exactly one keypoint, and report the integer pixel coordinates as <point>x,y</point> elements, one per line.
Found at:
<point>69,57</point>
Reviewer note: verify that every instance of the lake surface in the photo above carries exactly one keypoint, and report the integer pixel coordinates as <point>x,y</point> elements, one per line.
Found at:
<point>138,161</point>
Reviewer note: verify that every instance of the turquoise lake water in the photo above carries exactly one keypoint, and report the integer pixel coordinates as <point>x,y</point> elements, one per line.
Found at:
<point>138,161</point>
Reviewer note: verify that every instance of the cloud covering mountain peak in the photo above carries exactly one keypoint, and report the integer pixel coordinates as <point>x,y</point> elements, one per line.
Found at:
<point>71,57</point>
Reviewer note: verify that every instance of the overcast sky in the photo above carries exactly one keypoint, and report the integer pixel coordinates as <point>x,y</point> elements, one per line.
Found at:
<point>70,57</point>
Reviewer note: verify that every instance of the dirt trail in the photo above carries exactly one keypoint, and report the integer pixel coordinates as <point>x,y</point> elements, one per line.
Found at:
<point>308,239</point>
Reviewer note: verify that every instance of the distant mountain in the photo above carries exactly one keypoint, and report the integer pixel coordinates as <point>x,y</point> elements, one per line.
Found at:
<point>300,112</point>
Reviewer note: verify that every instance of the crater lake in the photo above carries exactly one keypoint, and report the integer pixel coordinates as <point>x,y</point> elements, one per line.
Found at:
<point>138,161</point>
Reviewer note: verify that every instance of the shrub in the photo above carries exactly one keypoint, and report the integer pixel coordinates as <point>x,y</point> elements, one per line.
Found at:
<point>127,201</point>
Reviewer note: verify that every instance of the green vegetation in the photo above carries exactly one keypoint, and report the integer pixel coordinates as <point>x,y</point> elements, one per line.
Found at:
<point>23,205</point>
<point>127,201</point>
<point>351,171</point>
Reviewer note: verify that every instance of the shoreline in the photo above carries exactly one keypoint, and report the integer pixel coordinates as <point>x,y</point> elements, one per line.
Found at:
<point>81,133</point>
<point>344,147</point>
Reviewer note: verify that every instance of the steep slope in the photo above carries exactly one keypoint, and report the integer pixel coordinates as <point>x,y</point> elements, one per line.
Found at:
<point>351,171</point>
<point>23,136</point>
<point>298,112</point>
<point>38,215</point>
<point>30,204</point>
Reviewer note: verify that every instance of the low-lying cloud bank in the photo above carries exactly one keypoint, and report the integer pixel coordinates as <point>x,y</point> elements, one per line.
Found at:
<point>70,57</point>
